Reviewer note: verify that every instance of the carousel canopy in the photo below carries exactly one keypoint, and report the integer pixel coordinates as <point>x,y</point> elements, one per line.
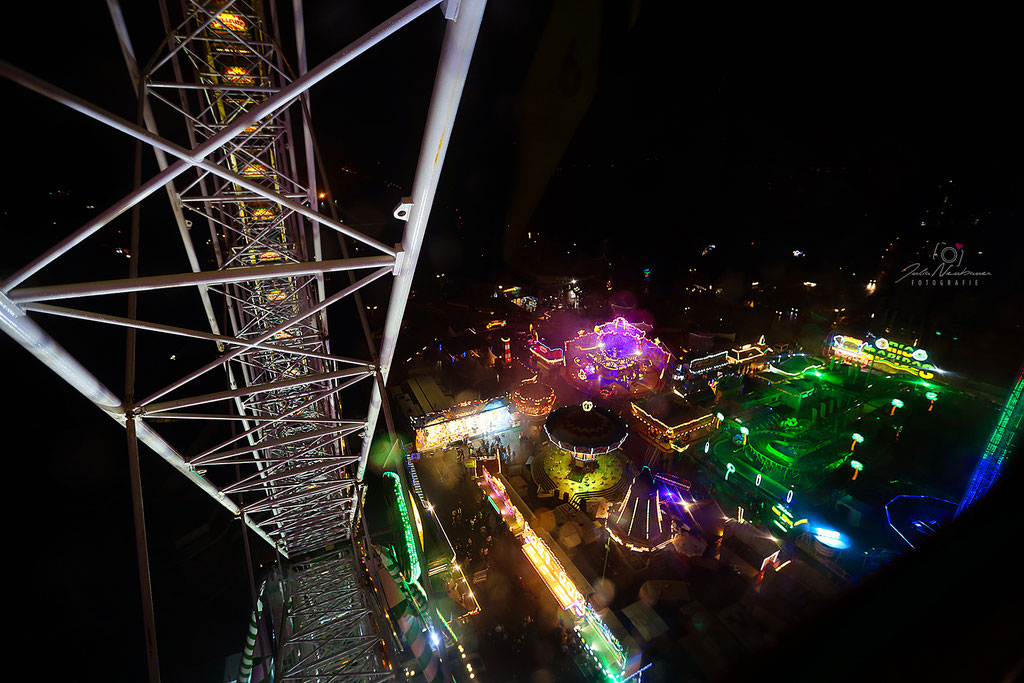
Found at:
<point>585,428</point>
<point>533,398</point>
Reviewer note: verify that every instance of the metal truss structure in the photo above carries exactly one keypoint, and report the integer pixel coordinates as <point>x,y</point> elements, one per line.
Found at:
<point>247,180</point>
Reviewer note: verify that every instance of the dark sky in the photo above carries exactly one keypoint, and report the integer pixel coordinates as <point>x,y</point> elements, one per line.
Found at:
<point>680,128</point>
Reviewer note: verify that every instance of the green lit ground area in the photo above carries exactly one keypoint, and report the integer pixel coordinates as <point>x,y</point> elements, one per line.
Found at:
<point>802,414</point>
<point>560,475</point>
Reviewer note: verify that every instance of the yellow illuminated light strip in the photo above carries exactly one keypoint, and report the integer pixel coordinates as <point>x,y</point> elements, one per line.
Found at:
<point>633,517</point>
<point>624,501</point>
<point>672,431</point>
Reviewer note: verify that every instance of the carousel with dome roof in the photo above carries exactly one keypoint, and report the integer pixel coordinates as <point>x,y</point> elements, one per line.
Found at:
<point>615,360</point>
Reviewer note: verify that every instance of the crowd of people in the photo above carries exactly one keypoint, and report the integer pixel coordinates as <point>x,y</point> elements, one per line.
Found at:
<point>526,646</point>
<point>491,448</point>
<point>471,535</point>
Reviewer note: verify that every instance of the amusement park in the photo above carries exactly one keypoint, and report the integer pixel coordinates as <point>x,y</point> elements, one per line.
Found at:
<point>794,472</point>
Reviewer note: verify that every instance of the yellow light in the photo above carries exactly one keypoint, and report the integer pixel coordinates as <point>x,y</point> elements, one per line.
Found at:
<point>254,171</point>
<point>228,21</point>
<point>238,74</point>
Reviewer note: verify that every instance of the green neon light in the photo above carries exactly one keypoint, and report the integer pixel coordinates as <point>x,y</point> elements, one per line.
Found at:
<point>857,465</point>
<point>403,514</point>
<point>858,438</point>
<point>898,403</point>
<point>931,396</point>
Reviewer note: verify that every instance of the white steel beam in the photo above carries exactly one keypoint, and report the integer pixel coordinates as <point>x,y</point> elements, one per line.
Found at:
<point>210,277</point>
<point>456,53</point>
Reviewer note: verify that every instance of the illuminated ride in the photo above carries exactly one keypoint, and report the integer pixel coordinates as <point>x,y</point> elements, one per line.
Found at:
<point>639,523</point>
<point>794,457</point>
<point>883,354</point>
<point>616,360</point>
<point>670,420</point>
<point>586,431</point>
<point>461,422</point>
<point>533,399</point>
<point>245,204</point>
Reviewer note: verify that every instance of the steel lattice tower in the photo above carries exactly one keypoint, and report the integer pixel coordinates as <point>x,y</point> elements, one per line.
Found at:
<point>246,180</point>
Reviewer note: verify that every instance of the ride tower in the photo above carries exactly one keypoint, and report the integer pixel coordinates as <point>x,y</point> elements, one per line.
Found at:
<point>243,190</point>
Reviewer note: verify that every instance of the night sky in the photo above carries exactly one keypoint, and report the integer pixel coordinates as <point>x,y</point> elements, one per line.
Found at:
<point>623,132</point>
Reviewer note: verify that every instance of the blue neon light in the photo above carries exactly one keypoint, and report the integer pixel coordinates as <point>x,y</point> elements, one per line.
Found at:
<point>888,517</point>
<point>831,538</point>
